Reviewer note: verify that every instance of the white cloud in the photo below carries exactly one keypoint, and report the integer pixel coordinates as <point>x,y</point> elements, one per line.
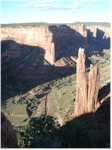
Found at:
<point>51,5</point>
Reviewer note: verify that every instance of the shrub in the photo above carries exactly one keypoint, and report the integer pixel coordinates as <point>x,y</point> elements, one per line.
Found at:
<point>20,140</point>
<point>43,133</point>
<point>35,128</point>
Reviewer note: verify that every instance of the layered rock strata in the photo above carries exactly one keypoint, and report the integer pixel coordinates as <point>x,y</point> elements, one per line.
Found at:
<point>86,91</point>
<point>59,41</point>
<point>34,52</point>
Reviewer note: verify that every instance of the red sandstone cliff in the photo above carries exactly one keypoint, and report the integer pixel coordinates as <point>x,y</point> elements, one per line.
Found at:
<point>30,52</point>
<point>59,41</point>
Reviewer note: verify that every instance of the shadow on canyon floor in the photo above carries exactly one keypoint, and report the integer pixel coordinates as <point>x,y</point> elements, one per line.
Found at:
<point>20,61</point>
<point>90,130</point>
<point>29,62</point>
<point>100,41</point>
<point>23,67</point>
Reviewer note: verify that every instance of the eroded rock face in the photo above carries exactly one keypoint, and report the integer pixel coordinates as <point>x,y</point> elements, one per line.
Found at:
<point>81,85</point>
<point>86,91</point>
<point>93,88</point>
<point>8,136</point>
<point>59,41</point>
<point>31,52</point>
<point>32,36</point>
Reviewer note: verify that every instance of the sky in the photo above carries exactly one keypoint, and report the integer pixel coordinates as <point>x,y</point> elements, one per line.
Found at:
<point>55,11</point>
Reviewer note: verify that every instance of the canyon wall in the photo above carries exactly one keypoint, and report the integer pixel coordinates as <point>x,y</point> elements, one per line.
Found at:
<point>36,52</point>
<point>60,41</point>
<point>32,36</point>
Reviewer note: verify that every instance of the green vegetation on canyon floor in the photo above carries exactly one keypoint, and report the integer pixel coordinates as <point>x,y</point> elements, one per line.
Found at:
<point>21,109</point>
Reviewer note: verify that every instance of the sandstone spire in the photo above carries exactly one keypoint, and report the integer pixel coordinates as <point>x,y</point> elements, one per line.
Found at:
<point>86,91</point>
<point>93,88</point>
<point>81,84</point>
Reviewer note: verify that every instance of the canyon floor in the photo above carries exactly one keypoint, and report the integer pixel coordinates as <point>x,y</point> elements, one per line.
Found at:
<point>47,92</point>
<point>25,99</point>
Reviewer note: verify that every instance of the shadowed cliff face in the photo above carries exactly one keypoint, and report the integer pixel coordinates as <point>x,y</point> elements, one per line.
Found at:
<point>22,60</point>
<point>67,40</point>
<point>29,52</point>
<point>98,38</point>
<point>60,41</point>
<point>25,61</point>
<point>26,65</point>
